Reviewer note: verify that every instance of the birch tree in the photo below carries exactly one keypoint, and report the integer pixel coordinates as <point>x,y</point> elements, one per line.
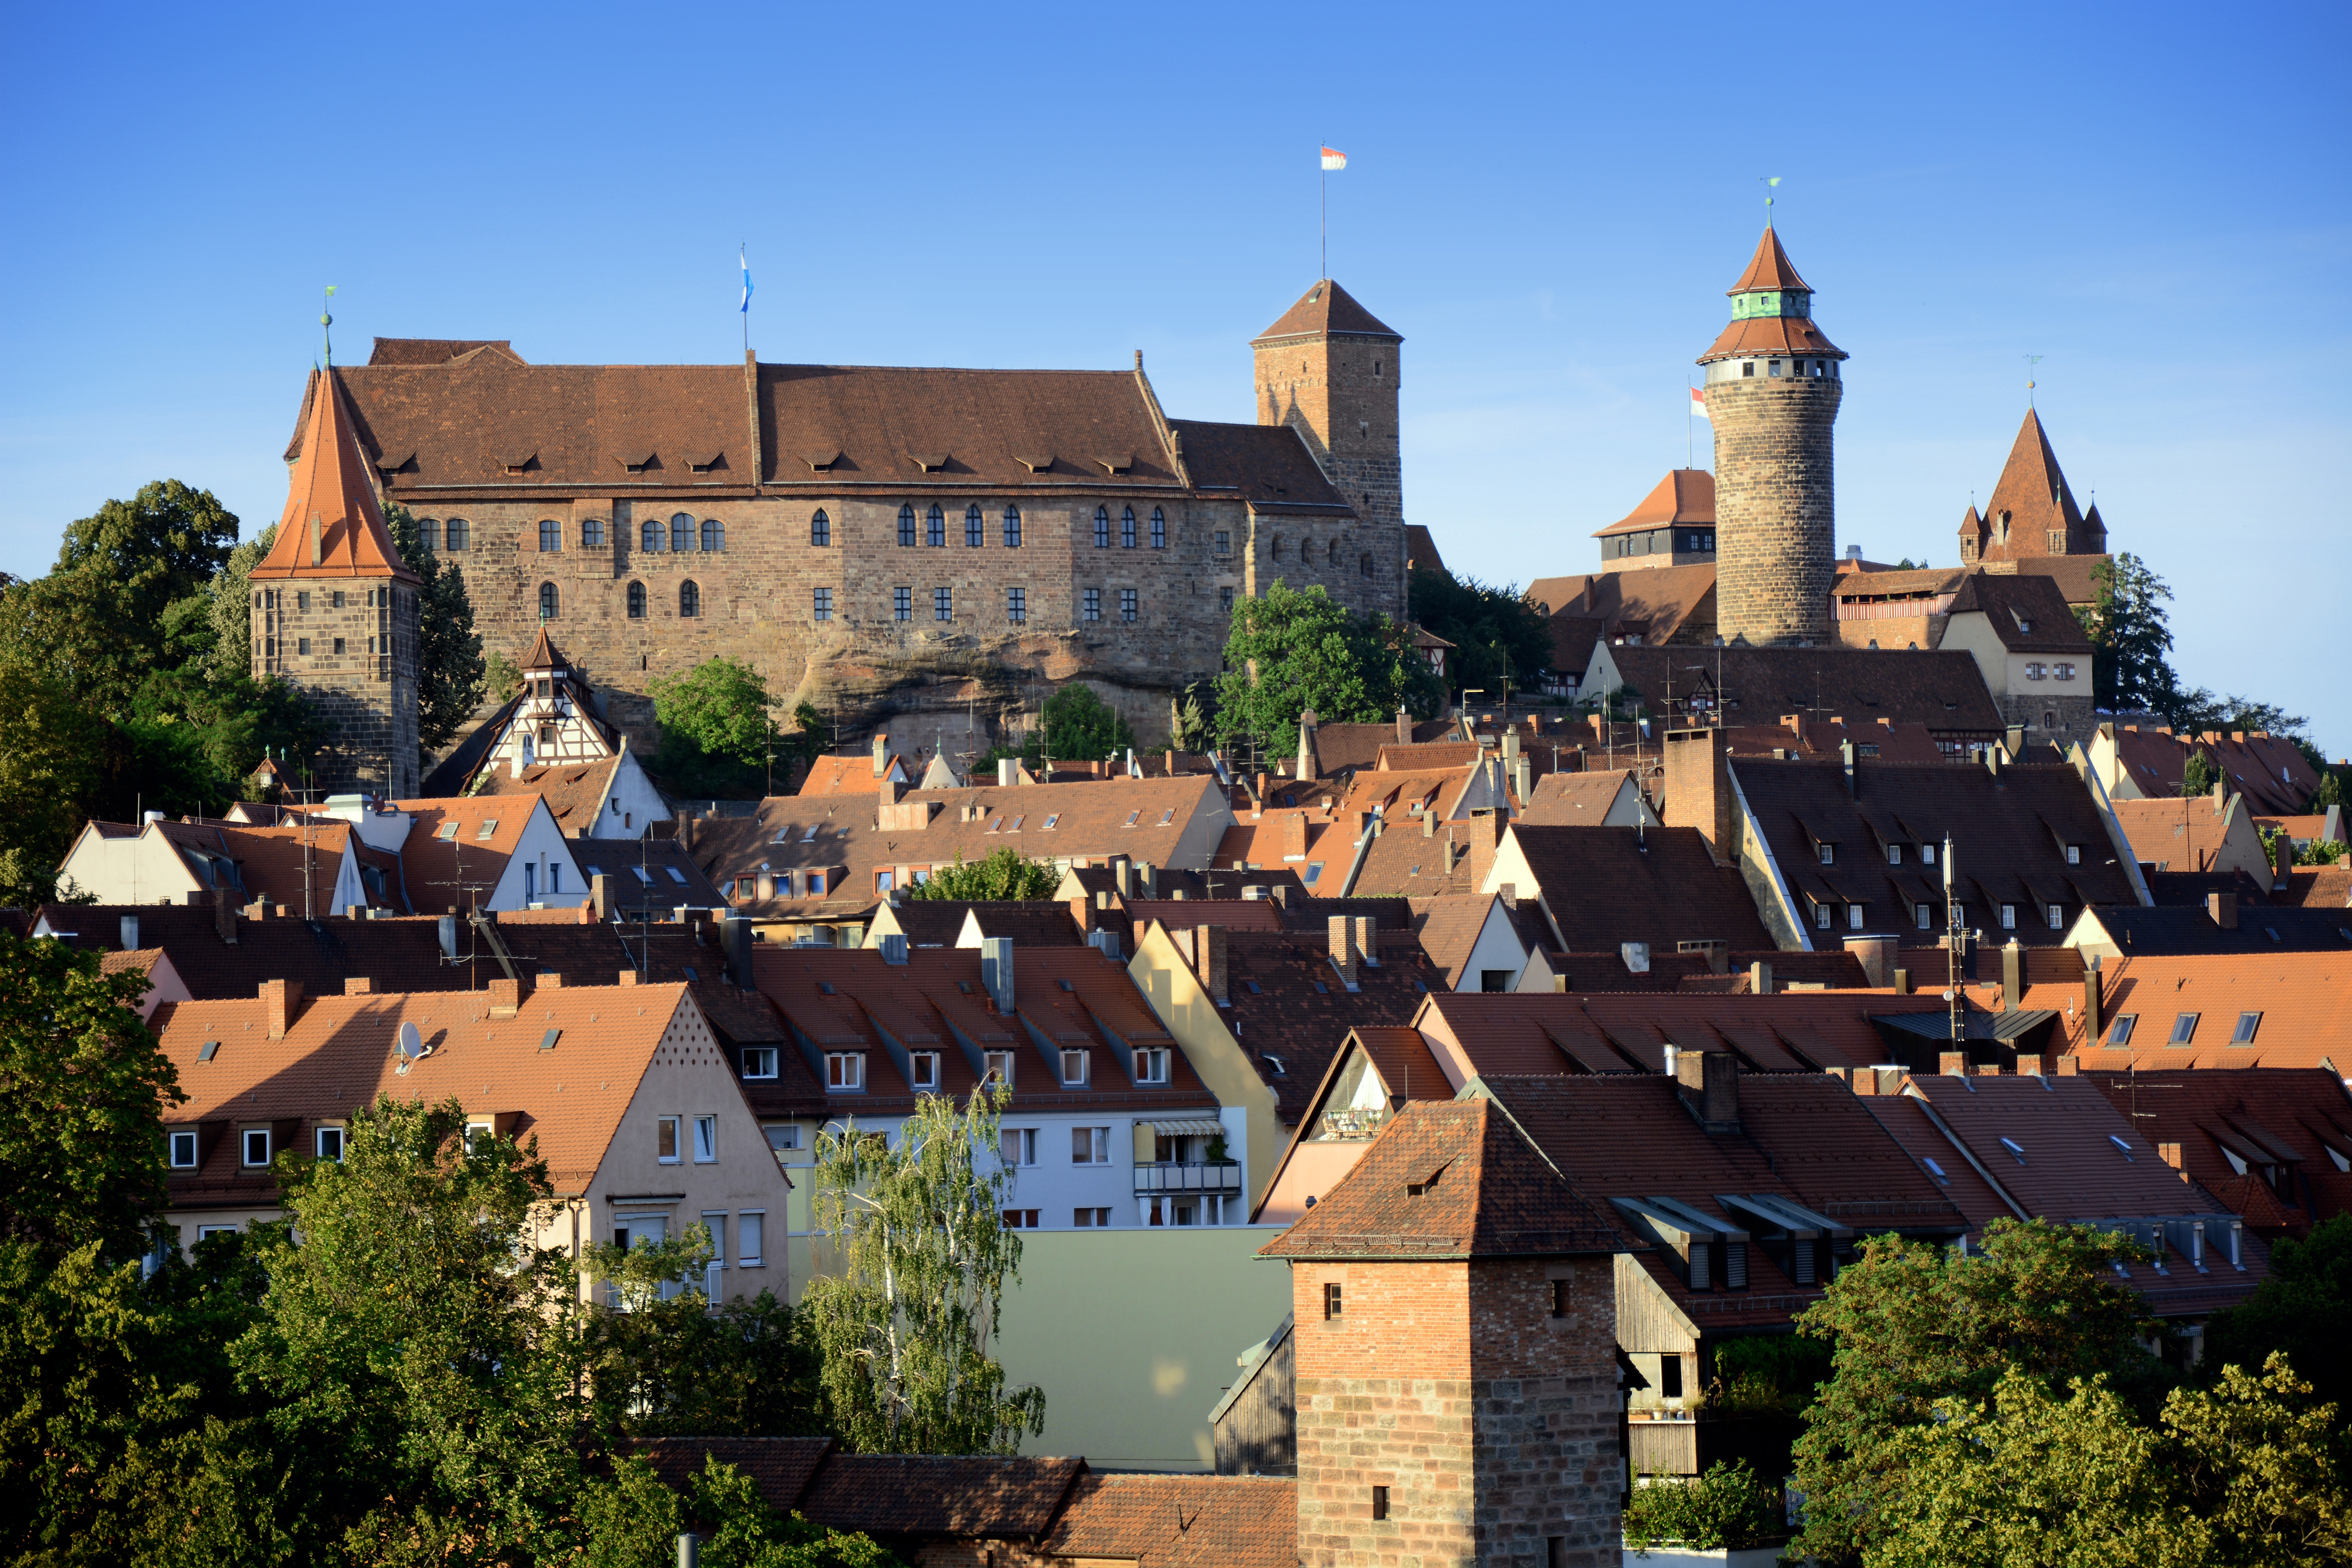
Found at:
<point>904,1322</point>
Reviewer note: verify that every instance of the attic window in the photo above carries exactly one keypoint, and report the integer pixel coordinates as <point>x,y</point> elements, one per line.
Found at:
<point>1276,1064</point>
<point>826,987</point>
<point>1117,465</point>
<point>810,837</point>
<point>634,464</point>
<point>1130,819</point>
<point>205,1053</point>
<point>2247,1023</point>
<point>1253,988</point>
<point>2184,1028</point>
<point>1051,820</point>
<point>1938,1171</point>
<point>2120,1033</point>
<point>516,464</point>
<point>676,875</point>
<point>1321,989</point>
<point>447,830</point>
<point>964,987</point>
<point>704,465</point>
<point>930,462</point>
<point>489,830</point>
<point>819,461</point>
<point>1066,986</point>
<point>1167,817</point>
<point>2015,1150</point>
<point>1036,462</point>
<point>393,465</point>
<point>2120,1145</point>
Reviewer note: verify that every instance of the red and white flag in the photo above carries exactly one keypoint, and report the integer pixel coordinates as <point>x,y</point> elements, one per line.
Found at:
<point>1698,403</point>
<point>1334,159</point>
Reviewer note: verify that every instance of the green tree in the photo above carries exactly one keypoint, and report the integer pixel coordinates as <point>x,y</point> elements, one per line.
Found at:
<point>1003,875</point>
<point>2196,775</point>
<point>1912,1323</point>
<point>1727,1507</point>
<point>1499,638</point>
<point>745,1533</point>
<point>903,1319</point>
<point>82,1084</point>
<point>2329,792</point>
<point>2302,1310</point>
<point>1192,717</point>
<point>232,605</point>
<point>1080,726</point>
<point>2130,633</point>
<point>451,674</point>
<point>418,1357</point>
<point>716,727</point>
<point>56,754</point>
<point>1291,651</point>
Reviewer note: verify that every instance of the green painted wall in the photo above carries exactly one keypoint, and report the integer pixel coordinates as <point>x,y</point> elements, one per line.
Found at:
<point>1132,1335</point>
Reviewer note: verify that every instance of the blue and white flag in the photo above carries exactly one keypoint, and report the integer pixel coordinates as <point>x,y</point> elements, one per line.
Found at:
<point>746,306</point>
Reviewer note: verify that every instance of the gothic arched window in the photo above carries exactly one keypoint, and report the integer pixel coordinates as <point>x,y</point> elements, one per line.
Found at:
<point>1274,548</point>
<point>973,525</point>
<point>820,528</point>
<point>1127,527</point>
<point>1102,528</point>
<point>1158,529</point>
<point>650,537</point>
<point>1331,557</point>
<point>549,601</point>
<point>1365,566</point>
<point>936,528</point>
<point>689,600</point>
<point>681,532</point>
<point>636,601</point>
<point>906,525</point>
<point>714,534</point>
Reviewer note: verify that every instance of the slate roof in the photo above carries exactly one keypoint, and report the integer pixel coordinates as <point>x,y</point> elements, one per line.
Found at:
<point>1941,688</point>
<point>1606,885</point>
<point>2009,835</point>
<point>1803,735</point>
<point>2288,1127</point>
<point>2303,1002</point>
<point>1326,308</point>
<point>1456,1179</point>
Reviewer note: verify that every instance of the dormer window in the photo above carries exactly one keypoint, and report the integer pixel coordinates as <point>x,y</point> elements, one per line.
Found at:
<point>1895,853</point>
<point>1074,1069</point>
<point>1829,853</point>
<point>704,465</point>
<point>1152,1066</point>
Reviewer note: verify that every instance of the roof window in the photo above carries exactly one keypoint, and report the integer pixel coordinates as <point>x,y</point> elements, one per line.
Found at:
<point>447,830</point>
<point>1130,819</point>
<point>2120,1144</point>
<point>490,828</point>
<point>2247,1023</point>
<point>1275,1063</point>
<point>1054,818</point>
<point>1167,817</point>
<point>2016,1152</point>
<point>2120,1033</point>
<point>1938,1171</point>
<point>2184,1028</point>
<point>1253,988</point>
<point>810,837</point>
<point>826,987</point>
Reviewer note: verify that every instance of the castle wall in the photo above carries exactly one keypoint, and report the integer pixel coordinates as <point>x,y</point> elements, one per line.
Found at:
<point>1775,507</point>
<point>369,696</point>
<point>1340,393</point>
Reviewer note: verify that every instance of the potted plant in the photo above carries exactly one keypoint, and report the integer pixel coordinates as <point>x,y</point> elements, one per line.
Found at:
<point>1725,1516</point>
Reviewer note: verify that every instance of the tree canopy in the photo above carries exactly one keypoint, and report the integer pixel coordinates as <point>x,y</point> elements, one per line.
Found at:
<point>719,730</point>
<point>1291,651</point>
<point>1500,639</point>
<point>451,674</point>
<point>2130,633</point>
<point>1004,874</point>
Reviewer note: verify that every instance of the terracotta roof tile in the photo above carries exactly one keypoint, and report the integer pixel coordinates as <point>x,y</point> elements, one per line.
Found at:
<point>2027,614</point>
<point>1656,603</point>
<point>2301,1003</point>
<point>1340,747</point>
<point>2317,888</point>
<point>1606,885</point>
<point>1289,1005</point>
<point>575,792</point>
<point>1685,495</point>
<point>1764,336</point>
<point>1574,800</point>
<point>1326,308</point>
<point>931,1495</point>
<point>2166,931</point>
<point>1600,1033</point>
<point>2207,1115</point>
<point>1451,1179</point>
<point>779,1466</point>
<point>1178,1522</point>
<point>331,487</point>
<point>1769,267</point>
<point>2032,489</point>
<point>1940,689</point>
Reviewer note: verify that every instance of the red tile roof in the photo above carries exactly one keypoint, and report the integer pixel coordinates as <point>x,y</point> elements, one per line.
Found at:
<point>2027,614</point>
<point>1769,267</point>
<point>779,1466</point>
<point>1942,688</point>
<point>2301,1003</point>
<point>2033,490</point>
<point>1178,1522</point>
<point>1574,800</point>
<point>1340,747</point>
<point>1656,603</point>
<point>1288,1004</point>
<point>1452,1180</point>
<point>1606,885</point>
<point>1598,1033</point>
<point>2178,834</point>
<point>331,487</point>
<point>2290,1129</point>
<point>1685,495</point>
<point>2317,888</point>
<point>575,792</point>
<point>931,1495</point>
<point>1326,309</point>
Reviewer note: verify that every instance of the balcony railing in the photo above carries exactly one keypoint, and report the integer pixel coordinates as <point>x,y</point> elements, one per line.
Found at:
<point>1224,1177</point>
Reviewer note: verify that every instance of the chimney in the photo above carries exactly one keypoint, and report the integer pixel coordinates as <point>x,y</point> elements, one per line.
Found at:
<point>1523,777</point>
<point>1343,947</point>
<point>1147,879</point>
<point>996,971</point>
<point>129,933</point>
<point>1845,755</point>
<point>1404,726</point>
<point>1795,724</point>
<point>225,917</point>
<point>1209,962</point>
<point>2223,909</point>
<point>627,977</point>
<point>1306,744</point>
<point>1992,762</point>
<point>600,895</point>
<point>281,1003</point>
<point>1698,788</point>
<point>2284,875</point>
<point>1368,947</point>
<point>881,753</point>
<point>1952,1064</point>
<point>1708,1082</point>
<point>2012,976</point>
<point>1903,983</point>
<point>1486,836</point>
<point>1004,766</point>
<point>685,831</point>
<point>448,937</point>
<point>1760,978</point>
<point>357,985</point>
<point>735,941</point>
<point>506,997</point>
<point>1636,956</point>
<point>1429,824</point>
<point>1122,873</point>
<point>1294,836</point>
<point>2028,1064</point>
<point>2094,1005</point>
<point>1262,779</point>
<point>1873,952</point>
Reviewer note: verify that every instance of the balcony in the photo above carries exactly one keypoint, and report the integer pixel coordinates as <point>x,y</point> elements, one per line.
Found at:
<point>1225,1177</point>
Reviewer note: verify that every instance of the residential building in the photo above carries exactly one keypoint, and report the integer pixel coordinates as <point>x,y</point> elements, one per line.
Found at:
<point>1943,689</point>
<point>2148,763</point>
<point>966,922</point>
<point>2223,925</point>
<point>151,964</point>
<point>1482,942</point>
<point>1806,735</point>
<point>2208,1010</point>
<point>646,880</point>
<point>858,776</point>
<point>2032,653</point>
<point>2273,1144</point>
<point>1610,799</point>
<point>1830,849</point>
<point>1673,526</point>
<point>1600,889</point>
<point>311,868</point>
<point>1660,606</point>
<point>2198,833</point>
<point>623,1089</point>
<point>2307,828</point>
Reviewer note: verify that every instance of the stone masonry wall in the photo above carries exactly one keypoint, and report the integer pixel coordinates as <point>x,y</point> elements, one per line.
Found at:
<point>1775,507</point>
<point>1340,394</point>
<point>370,699</point>
<point>1493,1424</point>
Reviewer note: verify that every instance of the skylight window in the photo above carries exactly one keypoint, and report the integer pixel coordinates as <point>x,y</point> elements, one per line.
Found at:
<point>676,875</point>
<point>1051,820</point>
<point>1167,817</point>
<point>1254,989</point>
<point>447,830</point>
<point>2184,1028</point>
<point>640,873</point>
<point>489,827</point>
<point>1130,819</point>
<point>2247,1023</point>
<point>2120,1144</point>
<point>1938,1171</point>
<point>2120,1033</point>
<point>2016,1151</point>
<point>810,837</point>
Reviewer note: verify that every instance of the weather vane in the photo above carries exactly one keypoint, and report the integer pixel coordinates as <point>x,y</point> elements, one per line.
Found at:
<point>1770,182</point>
<point>2030,361</point>
<point>326,325</point>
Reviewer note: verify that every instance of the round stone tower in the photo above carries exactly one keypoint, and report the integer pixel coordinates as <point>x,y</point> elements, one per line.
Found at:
<point>1772,392</point>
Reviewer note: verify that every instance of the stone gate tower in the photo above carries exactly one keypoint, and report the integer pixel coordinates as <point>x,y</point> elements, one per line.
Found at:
<point>1328,370</point>
<point>334,608</point>
<point>1772,392</point>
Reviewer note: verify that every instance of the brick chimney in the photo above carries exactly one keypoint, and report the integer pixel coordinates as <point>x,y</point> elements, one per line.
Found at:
<point>2012,976</point>
<point>281,1004</point>
<point>1708,1082</point>
<point>506,997</point>
<point>996,971</point>
<point>2093,1004</point>
<point>1698,787</point>
<point>1306,745</point>
<point>2223,908</point>
<point>685,831</point>
<point>1368,947</point>
<point>1403,726</point>
<point>1209,962</point>
<point>1342,936</point>
<point>1952,1064</point>
<point>1294,836</point>
<point>881,753</point>
<point>224,916</point>
<point>1486,831</point>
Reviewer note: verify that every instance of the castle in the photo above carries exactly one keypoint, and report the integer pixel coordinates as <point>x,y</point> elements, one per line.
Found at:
<point>875,540</point>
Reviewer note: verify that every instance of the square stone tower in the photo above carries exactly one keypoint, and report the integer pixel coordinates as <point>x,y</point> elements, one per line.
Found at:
<point>1458,1398</point>
<point>1773,386</point>
<point>334,608</point>
<point>1330,370</point>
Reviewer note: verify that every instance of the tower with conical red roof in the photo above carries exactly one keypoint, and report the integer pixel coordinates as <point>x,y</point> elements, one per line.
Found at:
<point>2032,512</point>
<point>334,608</point>
<point>1773,384</point>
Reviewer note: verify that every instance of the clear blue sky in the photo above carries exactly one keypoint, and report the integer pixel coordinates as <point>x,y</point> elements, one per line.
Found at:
<point>1548,202</point>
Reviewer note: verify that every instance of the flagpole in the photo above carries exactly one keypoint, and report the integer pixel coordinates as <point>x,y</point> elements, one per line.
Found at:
<point>1324,225</point>
<point>743,255</point>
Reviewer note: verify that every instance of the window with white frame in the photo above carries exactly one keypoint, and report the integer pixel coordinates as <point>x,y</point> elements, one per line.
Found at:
<point>751,1238</point>
<point>1853,916</point>
<point>1000,1068</point>
<point>2036,669</point>
<point>845,1070</point>
<point>2184,1029</point>
<point>2248,1023</point>
<point>706,1139</point>
<point>1152,1064</point>
<point>1927,916</point>
<point>1074,1069</point>
<point>1926,854</point>
<point>715,1222</point>
<point>256,1145</point>
<point>1895,853</point>
<point>1089,1145</point>
<point>2074,854</point>
<point>666,1139</point>
<point>923,1068</point>
<point>1822,915</point>
<point>2064,671</point>
<point>2057,917</point>
<point>1829,853</point>
<point>330,1143</point>
<point>1018,1145</point>
<point>182,1147</point>
<point>2009,917</point>
<point>759,1061</point>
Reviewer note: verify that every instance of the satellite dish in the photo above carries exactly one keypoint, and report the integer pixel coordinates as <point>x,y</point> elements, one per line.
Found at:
<point>410,1043</point>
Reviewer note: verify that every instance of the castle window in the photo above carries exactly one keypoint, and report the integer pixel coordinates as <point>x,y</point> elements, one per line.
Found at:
<point>1332,1302</point>
<point>1158,529</point>
<point>1274,548</point>
<point>1012,528</point>
<point>822,609</point>
<point>902,603</point>
<point>1380,1502</point>
<point>1772,367</point>
<point>1226,599</point>
<point>907,526</point>
<point>548,602</point>
<point>650,541</point>
<point>1331,554</point>
<point>591,532</point>
<point>302,600</point>
<point>1017,606</point>
<point>636,601</point>
<point>974,526</point>
<point>1102,528</point>
<point>1127,527</point>
<point>938,526</point>
<point>459,533</point>
<point>1224,543</point>
<point>428,532</point>
<point>820,528</point>
<point>302,645</point>
<point>681,532</point>
<point>943,604</point>
<point>339,598</point>
<point>1364,565</point>
<point>551,534</point>
<point>1306,552</point>
<point>1092,600</point>
<point>1126,604</point>
<point>714,534</point>
<point>689,600</point>
<point>1748,367</point>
